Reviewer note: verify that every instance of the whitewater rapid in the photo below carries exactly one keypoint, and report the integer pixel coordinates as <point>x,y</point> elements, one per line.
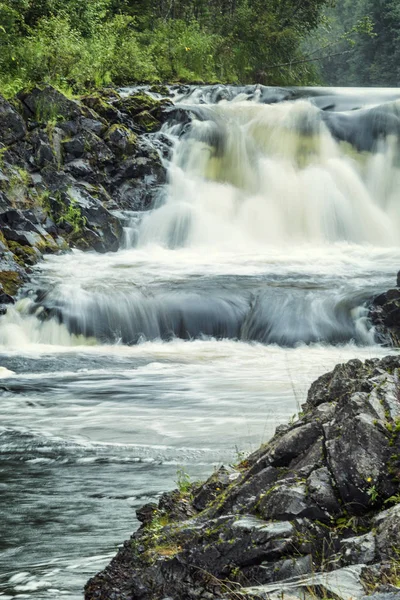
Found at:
<point>187,347</point>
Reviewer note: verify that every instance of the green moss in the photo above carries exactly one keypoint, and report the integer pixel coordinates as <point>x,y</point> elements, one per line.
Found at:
<point>146,120</point>
<point>139,102</point>
<point>24,255</point>
<point>10,281</point>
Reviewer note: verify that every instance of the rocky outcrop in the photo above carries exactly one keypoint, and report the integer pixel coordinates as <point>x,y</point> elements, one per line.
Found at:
<point>67,166</point>
<point>313,513</point>
<point>385,314</point>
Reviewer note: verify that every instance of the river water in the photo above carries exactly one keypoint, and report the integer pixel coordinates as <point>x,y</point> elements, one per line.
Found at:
<point>186,348</point>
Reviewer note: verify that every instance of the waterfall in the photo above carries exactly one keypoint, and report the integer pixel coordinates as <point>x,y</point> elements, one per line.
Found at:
<point>247,174</point>
<point>279,222</point>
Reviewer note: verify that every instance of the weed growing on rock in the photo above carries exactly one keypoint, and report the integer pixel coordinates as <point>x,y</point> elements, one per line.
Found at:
<point>183,481</point>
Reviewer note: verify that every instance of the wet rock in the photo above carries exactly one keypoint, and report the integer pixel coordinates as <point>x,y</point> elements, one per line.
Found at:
<point>86,213</point>
<point>12,126</point>
<point>121,140</point>
<point>5,298</point>
<point>138,179</point>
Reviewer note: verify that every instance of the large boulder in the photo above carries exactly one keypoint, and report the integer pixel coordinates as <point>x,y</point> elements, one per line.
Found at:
<point>48,104</point>
<point>312,513</point>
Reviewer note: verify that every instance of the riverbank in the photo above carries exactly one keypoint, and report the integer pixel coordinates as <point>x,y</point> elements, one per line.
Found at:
<point>69,169</point>
<point>314,511</point>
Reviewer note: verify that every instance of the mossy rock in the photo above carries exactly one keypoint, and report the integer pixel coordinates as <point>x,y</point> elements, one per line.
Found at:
<point>160,89</point>
<point>121,139</point>
<point>147,121</point>
<point>138,103</point>
<point>101,107</point>
<point>10,281</point>
<point>24,255</point>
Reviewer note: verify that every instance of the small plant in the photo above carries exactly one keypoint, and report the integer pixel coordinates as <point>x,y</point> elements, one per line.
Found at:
<point>48,112</point>
<point>373,493</point>
<point>158,522</point>
<point>73,216</point>
<point>393,499</point>
<point>183,481</point>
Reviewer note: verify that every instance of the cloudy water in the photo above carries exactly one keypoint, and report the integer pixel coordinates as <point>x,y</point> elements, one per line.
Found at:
<point>186,348</point>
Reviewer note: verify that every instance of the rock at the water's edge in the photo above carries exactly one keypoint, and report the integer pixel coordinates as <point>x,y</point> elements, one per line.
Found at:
<point>67,170</point>
<point>313,513</point>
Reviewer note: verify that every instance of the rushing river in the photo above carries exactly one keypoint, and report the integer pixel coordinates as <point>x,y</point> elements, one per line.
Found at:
<point>281,219</point>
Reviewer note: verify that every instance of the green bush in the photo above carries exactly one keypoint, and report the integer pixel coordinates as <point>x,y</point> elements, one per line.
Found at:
<point>82,45</point>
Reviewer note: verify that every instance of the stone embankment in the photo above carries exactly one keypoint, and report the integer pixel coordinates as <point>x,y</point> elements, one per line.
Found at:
<point>68,170</point>
<point>314,513</point>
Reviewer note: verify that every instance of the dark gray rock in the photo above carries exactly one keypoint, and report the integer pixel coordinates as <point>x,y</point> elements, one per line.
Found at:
<point>44,104</point>
<point>358,451</point>
<point>395,595</point>
<point>295,442</point>
<point>121,140</point>
<point>358,550</point>
<point>211,489</point>
<point>12,126</point>
<point>289,501</point>
<point>320,488</point>
<point>94,125</point>
<point>388,533</point>
<point>80,169</point>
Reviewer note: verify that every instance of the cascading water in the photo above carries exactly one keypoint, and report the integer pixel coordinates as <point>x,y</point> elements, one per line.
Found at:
<point>203,332</point>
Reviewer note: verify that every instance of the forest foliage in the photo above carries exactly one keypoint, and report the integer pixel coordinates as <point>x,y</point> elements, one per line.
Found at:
<point>82,44</point>
<point>77,45</point>
<point>368,60</point>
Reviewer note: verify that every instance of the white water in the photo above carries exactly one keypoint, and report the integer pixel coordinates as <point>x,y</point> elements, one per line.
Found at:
<point>192,344</point>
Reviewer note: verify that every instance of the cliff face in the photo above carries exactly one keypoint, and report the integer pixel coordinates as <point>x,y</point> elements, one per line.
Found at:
<point>67,170</point>
<point>314,511</point>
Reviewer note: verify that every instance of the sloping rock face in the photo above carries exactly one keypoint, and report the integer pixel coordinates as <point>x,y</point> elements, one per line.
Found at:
<point>67,166</point>
<point>313,513</point>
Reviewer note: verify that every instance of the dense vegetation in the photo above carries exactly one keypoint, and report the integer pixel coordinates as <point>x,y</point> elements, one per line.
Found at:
<point>373,60</point>
<point>78,45</point>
